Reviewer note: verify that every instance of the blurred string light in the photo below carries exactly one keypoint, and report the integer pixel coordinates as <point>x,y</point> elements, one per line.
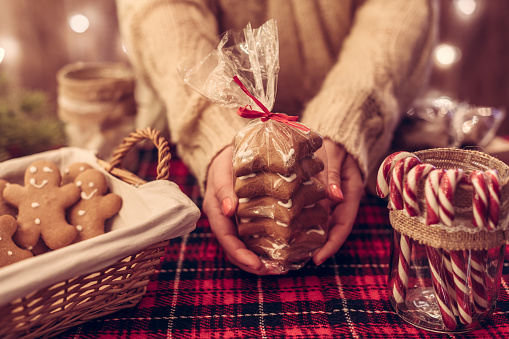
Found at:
<point>466,7</point>
<point>446,55</point>
<point>79,23</point>
<point>9,49</point>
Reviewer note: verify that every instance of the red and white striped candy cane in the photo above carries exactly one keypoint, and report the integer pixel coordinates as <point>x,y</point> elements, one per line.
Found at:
<point>494,198</point>
<point>401,168</point>
<point>448,185</point>
<point>461,286</point>
<point>480,207</point>
<point>411,185</point>
<point>444,283</point>
<point>494,202</point>
<point>385,172</point>
<point>400,284</point>
<point>449,280</point>
<point>479,200</point>
<point>441,292</point>
<point>431,188</point>
<point>478,280</point>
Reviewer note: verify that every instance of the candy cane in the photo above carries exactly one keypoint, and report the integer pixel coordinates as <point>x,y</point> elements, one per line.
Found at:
<point>494,198</point>
<point>449,280</point>
<point>401,168</point>
<point>448,185</point>
<point>385,172</point>
<point>480,219</point>
<point>443,282</point>
<point>412,208</point>
<point>411,186</point>
<point>443,297</point>
<point>479,200</point>
<point>478,280</point>
<point>461,286</point>
<point>400,283</point>
<point>431,188</point>
<point>494,202</point>
<point>404,251</point>
<point>392,172</point>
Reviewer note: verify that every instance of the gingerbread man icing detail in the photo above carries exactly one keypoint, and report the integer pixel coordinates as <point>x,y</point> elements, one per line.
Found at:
<point>90,213</point>
<point>41,204</point>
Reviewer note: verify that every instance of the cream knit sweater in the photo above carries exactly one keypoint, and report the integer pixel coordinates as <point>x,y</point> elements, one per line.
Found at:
<point>348,68</point>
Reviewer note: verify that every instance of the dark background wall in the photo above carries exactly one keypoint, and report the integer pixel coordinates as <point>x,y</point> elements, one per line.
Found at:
<point>38,41</point>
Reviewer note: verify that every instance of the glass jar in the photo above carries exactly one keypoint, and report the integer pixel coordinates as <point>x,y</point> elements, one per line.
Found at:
<point>441,290</point>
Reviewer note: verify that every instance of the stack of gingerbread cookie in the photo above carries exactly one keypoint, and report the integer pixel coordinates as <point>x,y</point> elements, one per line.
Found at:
<point>280,216</point>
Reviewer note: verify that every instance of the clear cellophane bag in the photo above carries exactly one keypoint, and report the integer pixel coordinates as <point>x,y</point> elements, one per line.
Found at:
<point>279,164</point>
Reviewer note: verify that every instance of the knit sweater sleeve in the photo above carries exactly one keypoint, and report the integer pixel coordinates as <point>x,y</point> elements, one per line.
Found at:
<point>161,36</point>
<point>382,65</point>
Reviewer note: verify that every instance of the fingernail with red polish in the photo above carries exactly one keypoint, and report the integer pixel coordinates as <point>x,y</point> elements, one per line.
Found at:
<point>335,191</point>
<point>226,206</point>
<point>254,268</point>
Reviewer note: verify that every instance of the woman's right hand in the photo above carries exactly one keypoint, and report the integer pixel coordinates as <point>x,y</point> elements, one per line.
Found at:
<point>220,204</point>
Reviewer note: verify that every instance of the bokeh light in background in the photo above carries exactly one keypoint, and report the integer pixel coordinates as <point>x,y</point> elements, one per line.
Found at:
<point>79,23</point>
<point>466,7</point>
<point>9,50</point>
<point>446,55</point>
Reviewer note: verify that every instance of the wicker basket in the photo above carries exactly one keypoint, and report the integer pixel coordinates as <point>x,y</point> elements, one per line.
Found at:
<point>54,309</point>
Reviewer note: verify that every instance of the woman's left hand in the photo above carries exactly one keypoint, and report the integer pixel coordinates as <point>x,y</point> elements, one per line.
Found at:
<point>344,191</point>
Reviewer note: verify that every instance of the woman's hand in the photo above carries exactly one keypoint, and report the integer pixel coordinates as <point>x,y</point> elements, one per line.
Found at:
<point>219,204</point>
<point>345,189</point>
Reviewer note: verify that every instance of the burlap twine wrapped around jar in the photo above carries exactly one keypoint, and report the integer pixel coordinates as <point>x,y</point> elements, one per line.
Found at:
<point>462,235</point>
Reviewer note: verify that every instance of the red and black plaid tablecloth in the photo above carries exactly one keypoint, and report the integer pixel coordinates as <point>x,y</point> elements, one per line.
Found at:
<point>197,293</point>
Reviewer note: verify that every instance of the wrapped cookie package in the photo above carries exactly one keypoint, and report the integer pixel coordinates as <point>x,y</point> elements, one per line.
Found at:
<point>279,181</point>
<point>278,163</point>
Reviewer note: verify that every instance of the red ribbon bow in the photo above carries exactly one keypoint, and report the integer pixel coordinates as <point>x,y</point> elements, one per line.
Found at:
<point>248,112</point>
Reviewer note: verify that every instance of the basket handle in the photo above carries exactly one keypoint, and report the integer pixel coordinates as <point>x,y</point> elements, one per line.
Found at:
<point>164,155</point>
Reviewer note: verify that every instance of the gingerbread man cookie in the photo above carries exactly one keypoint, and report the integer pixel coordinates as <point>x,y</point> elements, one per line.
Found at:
<point>71,172</point>
<point>90,213</point>
<point>41,204</point>
<point>40,248</point>
<point>9,252</point>
<point>5,208</point>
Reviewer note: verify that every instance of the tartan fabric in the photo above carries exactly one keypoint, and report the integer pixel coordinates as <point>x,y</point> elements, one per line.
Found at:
<point>197,293</point>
